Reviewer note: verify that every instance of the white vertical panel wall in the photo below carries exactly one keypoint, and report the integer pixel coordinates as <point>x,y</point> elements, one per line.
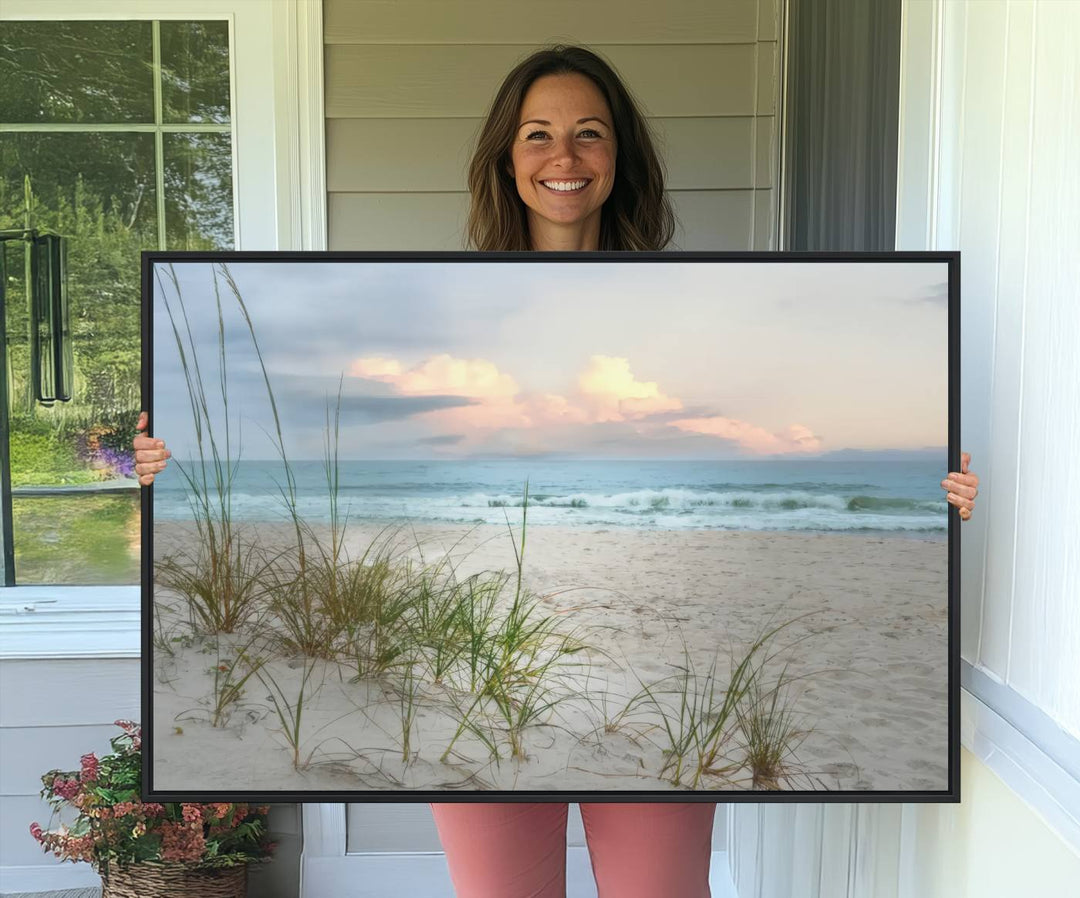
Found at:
<point>1044,635</point>
<point>1008,197</point>
<point>990,165</point>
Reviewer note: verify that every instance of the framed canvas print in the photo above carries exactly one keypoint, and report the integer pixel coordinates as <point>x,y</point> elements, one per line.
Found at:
<point>594,526</point>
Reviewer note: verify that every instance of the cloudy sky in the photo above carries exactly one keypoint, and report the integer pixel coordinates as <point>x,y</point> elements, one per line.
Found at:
<point>589,359</point>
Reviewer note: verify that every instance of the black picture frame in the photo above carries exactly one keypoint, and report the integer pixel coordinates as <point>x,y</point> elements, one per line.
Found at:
<point>950,794</point>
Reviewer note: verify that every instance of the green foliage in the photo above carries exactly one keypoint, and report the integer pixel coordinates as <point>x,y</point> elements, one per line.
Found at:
<point>38,458</point>
<point>77,539</point>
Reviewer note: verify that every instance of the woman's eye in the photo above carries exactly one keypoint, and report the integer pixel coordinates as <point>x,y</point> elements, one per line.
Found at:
<point>588,132</point>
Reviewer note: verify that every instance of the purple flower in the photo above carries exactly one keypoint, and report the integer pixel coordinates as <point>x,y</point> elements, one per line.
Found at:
<point>119,462</point>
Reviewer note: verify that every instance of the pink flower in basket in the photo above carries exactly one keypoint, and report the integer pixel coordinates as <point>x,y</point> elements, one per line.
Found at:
<point>115,830</point>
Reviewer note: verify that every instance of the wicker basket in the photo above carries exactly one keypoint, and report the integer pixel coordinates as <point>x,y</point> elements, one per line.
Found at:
<point>174,881</point>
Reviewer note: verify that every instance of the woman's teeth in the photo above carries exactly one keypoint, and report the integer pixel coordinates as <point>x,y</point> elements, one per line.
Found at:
<point>564,186</point>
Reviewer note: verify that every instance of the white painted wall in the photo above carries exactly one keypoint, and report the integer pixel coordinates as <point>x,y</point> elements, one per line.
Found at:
<point>990,143</point>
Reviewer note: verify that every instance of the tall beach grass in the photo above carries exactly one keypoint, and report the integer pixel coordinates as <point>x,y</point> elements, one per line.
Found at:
<point>480,645</point>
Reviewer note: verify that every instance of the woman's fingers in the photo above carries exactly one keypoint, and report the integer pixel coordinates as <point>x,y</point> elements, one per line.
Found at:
<point>962,488</point>
<point>965,487</point>
<point>148,443</point>
<point>960,501</point>
<point>150,453</point>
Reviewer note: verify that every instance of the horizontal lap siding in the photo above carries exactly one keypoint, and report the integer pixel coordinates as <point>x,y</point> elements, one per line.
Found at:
<point>453,81</point>
<point>523,22</point>
<point>716,219</point>
<point>408,84</point>
<point>56,710</point>
<point>432,155</point>
<point>28,752</point>
<point>53,712</point>
<point>65,693</point>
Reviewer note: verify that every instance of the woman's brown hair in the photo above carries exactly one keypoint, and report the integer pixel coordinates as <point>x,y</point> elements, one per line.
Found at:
<point>637,214</point>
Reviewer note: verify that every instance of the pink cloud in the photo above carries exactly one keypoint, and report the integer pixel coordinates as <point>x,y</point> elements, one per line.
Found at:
<point>441,374</point>
<point>524,411</point>
<point>797,437</point>
<point>607,391</point>
<point>612,393</point>
<point>376,368</point>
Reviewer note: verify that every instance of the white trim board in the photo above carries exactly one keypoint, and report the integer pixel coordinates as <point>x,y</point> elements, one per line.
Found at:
<point>1023,766</point>
<point>69,622</point>
<point>1055,742</point>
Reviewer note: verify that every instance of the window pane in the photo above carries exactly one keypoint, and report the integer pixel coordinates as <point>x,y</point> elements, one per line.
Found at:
<point>98,191</point>
<point>78,540</point>
<point>198,192</point>
<point>195,72</point>
<point>76,72</point>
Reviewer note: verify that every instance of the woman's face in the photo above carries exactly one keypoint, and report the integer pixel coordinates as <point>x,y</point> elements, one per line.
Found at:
<point>563,154</point>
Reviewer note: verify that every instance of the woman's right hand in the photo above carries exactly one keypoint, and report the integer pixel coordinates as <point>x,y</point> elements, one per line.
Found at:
<point>150,453</point>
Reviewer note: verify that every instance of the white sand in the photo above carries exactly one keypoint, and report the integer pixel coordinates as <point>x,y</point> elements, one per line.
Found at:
<point>877,640</point>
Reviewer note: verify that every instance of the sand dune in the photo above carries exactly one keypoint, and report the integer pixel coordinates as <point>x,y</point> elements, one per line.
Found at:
<point>874,653</point>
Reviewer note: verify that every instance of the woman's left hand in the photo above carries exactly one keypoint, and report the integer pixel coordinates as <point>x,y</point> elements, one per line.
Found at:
<point>962,488</point>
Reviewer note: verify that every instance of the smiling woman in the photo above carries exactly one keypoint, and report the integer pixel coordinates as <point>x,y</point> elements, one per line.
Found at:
<point>564,165</point>
<point>564,116</point>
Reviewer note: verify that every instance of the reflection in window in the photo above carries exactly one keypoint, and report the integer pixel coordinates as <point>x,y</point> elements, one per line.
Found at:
<point>195,71</point>
<point>116,135</point>
<point>198,192</point>
<point>76,72</point>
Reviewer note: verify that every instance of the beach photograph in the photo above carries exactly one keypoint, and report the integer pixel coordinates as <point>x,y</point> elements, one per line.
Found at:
<point>516,526</point>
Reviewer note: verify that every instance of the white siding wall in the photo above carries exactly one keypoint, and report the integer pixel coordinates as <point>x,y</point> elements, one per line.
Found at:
<point>54,711</point>
<point>408,84</point>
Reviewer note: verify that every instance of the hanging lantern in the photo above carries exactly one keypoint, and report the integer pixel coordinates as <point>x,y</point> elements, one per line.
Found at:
<point>51,359</point>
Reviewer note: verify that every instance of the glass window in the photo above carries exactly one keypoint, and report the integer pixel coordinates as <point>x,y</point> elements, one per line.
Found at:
<point>195,71</point>
<point>117,136</point>
<point>69,72</point>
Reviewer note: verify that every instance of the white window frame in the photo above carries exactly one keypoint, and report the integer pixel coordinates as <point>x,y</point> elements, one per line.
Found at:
<point>279,203</point>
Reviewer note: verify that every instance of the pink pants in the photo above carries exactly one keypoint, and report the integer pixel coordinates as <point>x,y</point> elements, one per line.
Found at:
<point>518,850</point>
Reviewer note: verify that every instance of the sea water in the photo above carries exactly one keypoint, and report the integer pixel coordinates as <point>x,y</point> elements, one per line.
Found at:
<point>901,498</point>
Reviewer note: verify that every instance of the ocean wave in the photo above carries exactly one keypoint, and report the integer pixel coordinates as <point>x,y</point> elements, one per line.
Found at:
<point>648,500</point>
